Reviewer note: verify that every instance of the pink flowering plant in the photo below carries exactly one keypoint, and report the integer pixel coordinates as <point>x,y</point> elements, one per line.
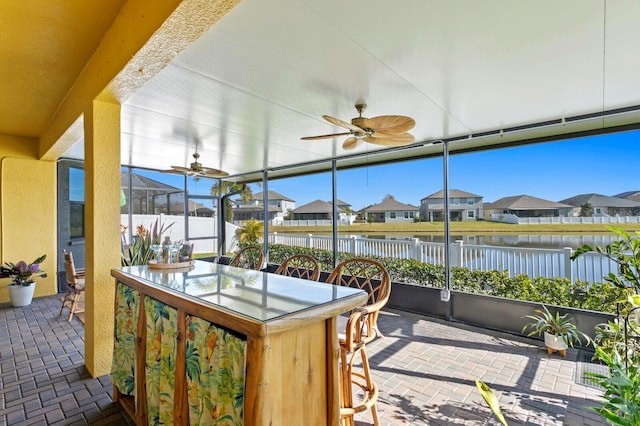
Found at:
<point>23,273</point>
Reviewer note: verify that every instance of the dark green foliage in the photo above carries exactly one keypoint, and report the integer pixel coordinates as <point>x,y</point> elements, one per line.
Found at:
<point>625,252</point>
<point>586,210</point>
<point>621,390</point>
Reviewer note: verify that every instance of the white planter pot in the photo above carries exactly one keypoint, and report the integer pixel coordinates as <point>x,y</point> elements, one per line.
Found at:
<point>21,295</point>
<point>555,344</point>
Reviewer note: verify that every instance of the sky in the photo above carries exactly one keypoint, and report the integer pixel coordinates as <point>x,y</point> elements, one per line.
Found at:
<point>554,171</point>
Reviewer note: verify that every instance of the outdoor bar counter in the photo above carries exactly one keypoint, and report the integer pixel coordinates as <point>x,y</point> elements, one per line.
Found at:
<point>214,342</point>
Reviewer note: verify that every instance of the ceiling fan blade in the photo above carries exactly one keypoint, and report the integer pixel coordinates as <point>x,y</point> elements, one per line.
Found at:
<point>181,171</point>
<point>352,143</point>
<point>389,124</point>
<point>177,169</point>
<point>207,171</point>
<point>201,171</point>
<point>397,140</point>
<point>344,124</point>
<point>309,138</point>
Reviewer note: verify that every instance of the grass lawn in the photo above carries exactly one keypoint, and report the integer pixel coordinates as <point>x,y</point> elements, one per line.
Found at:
<point>478,227</point>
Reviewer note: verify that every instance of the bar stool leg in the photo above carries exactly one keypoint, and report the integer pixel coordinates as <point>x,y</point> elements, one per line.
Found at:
<point>371,387</point>
<point>346,397</point>
<point>360,379</point>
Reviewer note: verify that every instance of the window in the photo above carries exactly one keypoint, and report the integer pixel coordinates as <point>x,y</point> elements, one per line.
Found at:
<point>76,202</point>
<point>76,184</point>
<point>392,215</point>
<point>470,214</point>
<point>456,201</point>
<point>76,219</point>
<point>470,201</point>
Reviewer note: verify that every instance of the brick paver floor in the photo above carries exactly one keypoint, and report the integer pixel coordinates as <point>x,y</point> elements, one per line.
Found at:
<point>425,369</point>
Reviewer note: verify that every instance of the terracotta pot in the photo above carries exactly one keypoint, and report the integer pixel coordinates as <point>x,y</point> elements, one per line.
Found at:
<point>21,295</point>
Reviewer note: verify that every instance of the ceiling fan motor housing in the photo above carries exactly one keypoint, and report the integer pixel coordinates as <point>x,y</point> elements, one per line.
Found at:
<point>360,121</point>
<point>195,166</point>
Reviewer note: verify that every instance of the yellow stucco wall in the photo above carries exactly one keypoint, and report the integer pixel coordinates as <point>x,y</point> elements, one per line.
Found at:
<point>27,212</point>
<point>102,225</point>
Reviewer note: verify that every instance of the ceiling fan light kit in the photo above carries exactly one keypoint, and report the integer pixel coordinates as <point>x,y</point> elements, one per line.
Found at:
<point>385,130</point>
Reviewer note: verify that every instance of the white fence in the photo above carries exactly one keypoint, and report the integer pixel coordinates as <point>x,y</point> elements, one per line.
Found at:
<point>310,222</point>
<point>511,218</point>
<point>532,262</point>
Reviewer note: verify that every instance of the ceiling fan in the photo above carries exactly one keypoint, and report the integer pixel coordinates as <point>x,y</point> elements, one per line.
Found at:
<point>196,169</point>
<point>387,130</point>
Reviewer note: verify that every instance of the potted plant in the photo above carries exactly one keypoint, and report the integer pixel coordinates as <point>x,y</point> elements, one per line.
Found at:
<point>559,331</point>
<point>23,276</point>
<point>139,252</point>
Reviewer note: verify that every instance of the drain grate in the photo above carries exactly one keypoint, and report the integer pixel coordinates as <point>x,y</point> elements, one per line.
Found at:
<point>586,365</point>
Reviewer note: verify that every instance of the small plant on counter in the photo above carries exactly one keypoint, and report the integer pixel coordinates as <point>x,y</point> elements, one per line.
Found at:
<point>139,251</point>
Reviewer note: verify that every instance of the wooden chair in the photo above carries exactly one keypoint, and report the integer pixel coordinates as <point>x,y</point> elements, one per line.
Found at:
<point>354,374</point>
<point>368,275</point>
<point>75,285</point>
<point>300,266</point>
<point>250,257</point>
<point>360,328</point>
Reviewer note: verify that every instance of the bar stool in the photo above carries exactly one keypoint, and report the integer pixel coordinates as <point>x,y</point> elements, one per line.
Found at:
<point>360,328</point>
<point>353,376</point>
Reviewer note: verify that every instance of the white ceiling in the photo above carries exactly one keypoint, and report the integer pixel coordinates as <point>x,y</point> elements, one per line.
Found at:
<point>263,76</point>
